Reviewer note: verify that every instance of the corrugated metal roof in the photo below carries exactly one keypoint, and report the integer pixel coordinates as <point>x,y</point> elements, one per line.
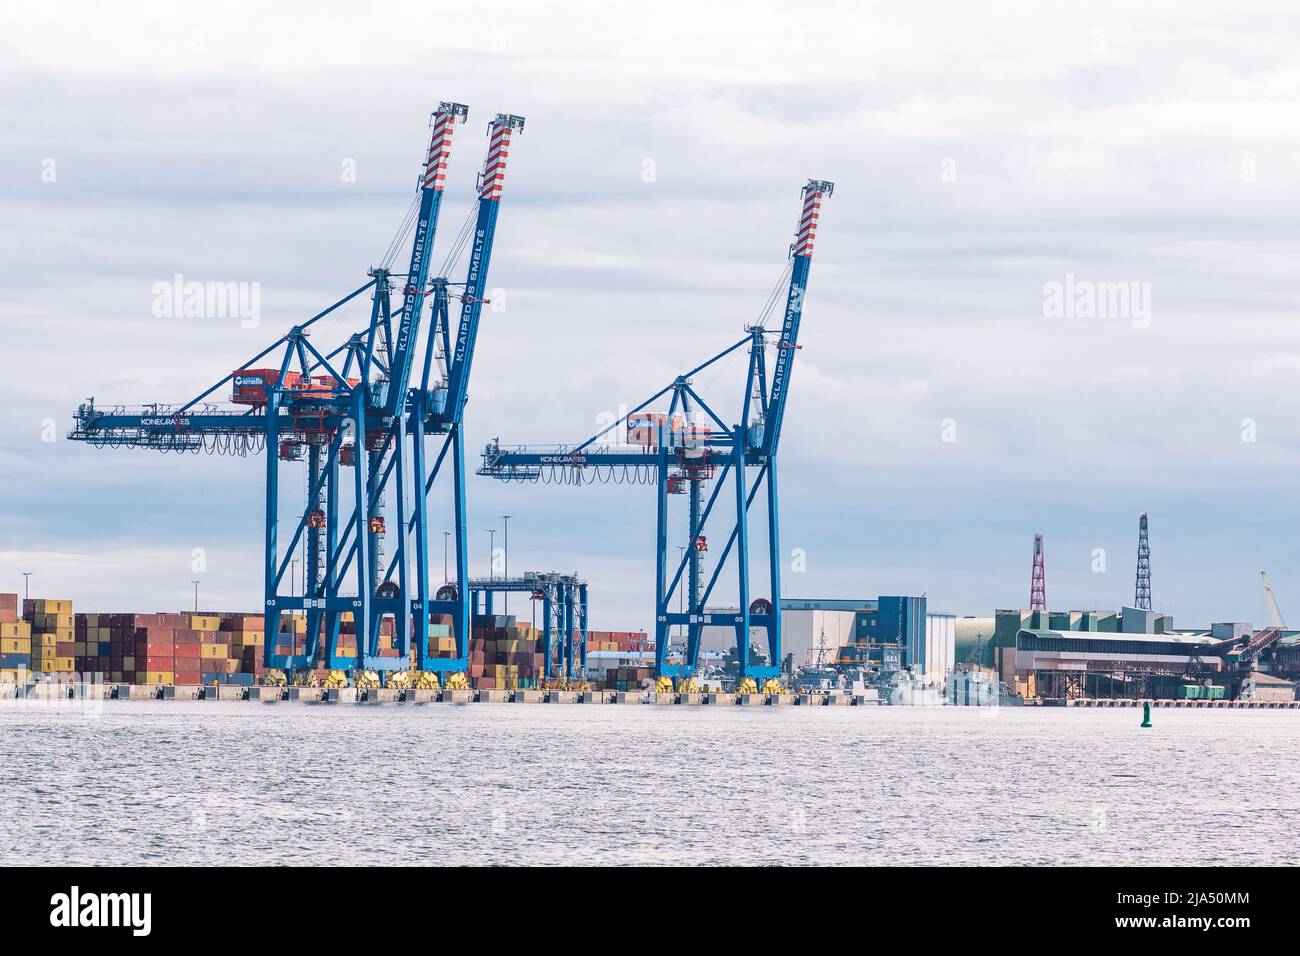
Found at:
<point>1177,638</point>
<point>829,604</point>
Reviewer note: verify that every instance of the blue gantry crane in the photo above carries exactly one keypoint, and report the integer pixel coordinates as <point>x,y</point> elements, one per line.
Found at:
<point>564,600</point>
<point>684,449</point>
<point>366,407</point>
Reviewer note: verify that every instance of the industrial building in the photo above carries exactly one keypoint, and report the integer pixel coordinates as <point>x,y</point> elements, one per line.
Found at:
<point>1136,653</point>
<point>887,632</point>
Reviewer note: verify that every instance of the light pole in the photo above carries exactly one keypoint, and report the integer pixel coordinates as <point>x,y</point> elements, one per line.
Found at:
<point>446,543</point>
<point>195,582</point>
<point>27,576</point>
<point>293,577</point>
<point>505,544</point>
<point>492,550</point>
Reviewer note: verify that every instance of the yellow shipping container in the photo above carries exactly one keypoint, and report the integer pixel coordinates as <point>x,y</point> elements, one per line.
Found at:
<point>247,638</point>
<point>158,677</point>
<point>204,622</point>
<point>52,606</point>
<point>21,629</point>
<point>214,652</point>
<point>18,676</point>
<point>15,645</point>
<point>51,665</point>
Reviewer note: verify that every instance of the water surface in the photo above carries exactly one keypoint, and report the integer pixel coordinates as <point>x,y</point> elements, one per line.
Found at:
<point>246,783</point>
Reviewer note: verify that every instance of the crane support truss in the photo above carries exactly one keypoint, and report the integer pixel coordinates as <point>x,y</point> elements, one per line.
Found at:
<point>356,410</point>
<point>684,450</point>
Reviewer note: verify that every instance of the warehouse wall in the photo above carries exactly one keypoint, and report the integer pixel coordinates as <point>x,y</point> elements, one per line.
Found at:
<point>937,657</point>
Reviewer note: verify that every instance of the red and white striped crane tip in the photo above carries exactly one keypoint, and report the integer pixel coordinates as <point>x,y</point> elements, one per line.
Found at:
<point>812,204</point>
<point>443,122</point>
<point>494,167</point>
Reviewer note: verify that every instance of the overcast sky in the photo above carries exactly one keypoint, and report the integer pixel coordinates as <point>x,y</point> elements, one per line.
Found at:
<point>981,159</point>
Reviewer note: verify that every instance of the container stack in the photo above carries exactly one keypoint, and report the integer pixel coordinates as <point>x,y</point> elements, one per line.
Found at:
<point>628,678</point>
<point>387,630</point>
<point>347,644</point>
<point>503,654</point>
<point>142,647</point>
<point>53,635</point>
<point>247,633</point>
<point>215,661</point>
<point>15,642</point>
<point>620,660</point>
<point>441,642</point>
<point>620,641</point>
<point>94,637</point>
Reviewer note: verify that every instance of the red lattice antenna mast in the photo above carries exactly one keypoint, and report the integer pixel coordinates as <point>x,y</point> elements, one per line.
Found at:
<point>1038,582</point>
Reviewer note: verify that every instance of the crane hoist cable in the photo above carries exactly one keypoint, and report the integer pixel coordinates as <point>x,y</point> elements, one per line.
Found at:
<point>458,244</point>
<point>719,368</point>
<point>775,297</point>
<point>404,230</point>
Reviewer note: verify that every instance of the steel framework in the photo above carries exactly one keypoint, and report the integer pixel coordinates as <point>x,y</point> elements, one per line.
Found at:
<point>1142,588</point>
<point>564,614</point>
<point>1038,578</point>
<point>356,408</point>
<point>684,449</point>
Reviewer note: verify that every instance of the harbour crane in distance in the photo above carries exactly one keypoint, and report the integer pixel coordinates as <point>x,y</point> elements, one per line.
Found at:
<point>1247,654</point>
<point>369,406</point>
<point>1272,601</point>
<point>683,449</point>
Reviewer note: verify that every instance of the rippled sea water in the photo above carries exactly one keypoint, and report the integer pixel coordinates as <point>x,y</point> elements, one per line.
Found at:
<point>248,783</point>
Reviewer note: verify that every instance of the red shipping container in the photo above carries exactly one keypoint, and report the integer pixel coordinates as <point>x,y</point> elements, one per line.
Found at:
<point>188,651</point>
<point>250,386</point>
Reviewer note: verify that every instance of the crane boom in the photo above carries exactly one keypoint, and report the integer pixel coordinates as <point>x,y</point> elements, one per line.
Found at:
<point>490,183</point>
<point>432,184</point>
<point>801,260</point>
<point>1272,601</point>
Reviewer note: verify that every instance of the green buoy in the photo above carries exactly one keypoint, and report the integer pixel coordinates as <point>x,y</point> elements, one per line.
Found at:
<point>1146,713</point>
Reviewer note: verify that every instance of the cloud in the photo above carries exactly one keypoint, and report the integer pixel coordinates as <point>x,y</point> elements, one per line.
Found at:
<point>978,155</point>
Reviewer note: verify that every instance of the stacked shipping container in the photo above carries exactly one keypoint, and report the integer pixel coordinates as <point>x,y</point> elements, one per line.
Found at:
<point>186,649</point>
<point>619,659</point>
<point>53,635</point>
<point>15,641</point>
<point>503,653</point>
